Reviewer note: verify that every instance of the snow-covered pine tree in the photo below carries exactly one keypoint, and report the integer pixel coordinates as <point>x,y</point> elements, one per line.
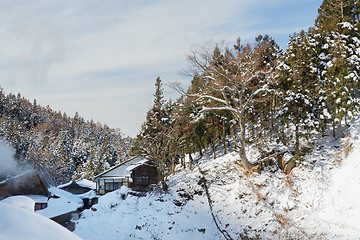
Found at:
<point>298,83</point>
<point>153,141</point>
<point>340,76</point>
<point>340,57</point>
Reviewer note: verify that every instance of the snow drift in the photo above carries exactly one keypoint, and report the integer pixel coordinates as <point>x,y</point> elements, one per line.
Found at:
<point>22,224</point>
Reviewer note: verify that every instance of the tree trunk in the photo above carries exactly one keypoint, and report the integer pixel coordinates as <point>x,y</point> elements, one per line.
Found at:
<point>164,186</point>
<point>341,129</point>
<point>253,131</point>
<point>190,161</point>
<point>297,140</point>
<point>173,166</point>
<point>162,177</point>
<point>224,145</point>
<point>183,161</point>
<point>273,114</point>
<point>200,152</point>
<point>244,161</point>
<point>242,153</point>
<point>342,11</point>
<point>214,149</point>
<point>224,138</point>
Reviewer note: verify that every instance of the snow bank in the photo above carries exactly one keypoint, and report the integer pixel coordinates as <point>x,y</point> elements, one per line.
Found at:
<point>344,206</point>
<point>86,183</point>
<point>21,201</point>
<point>20,224</point>
<point>337,213</point>
<point>89,195</point>
<point>154,216</point>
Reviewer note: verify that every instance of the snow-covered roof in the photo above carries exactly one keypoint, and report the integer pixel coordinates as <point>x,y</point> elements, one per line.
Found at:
<point>65,203</point>
<point>89,195</point>
<point>38,198</point>
<point>124,169</point>
<point>86,183</point>
<point>132,167</point>
<point>82,183</point>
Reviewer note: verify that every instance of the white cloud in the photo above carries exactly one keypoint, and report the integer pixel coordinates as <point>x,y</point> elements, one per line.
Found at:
<point>88,55</point>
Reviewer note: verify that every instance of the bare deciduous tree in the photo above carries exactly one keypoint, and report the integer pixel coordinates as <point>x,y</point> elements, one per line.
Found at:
<point>235,80</point>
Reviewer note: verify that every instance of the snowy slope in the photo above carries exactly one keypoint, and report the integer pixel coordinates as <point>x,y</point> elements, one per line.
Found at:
<point>318,200</point>
<point>152,217</point>
<point>337,213</point>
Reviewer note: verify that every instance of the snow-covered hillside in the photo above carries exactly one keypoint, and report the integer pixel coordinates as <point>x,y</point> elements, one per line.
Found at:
<point>318,200</point>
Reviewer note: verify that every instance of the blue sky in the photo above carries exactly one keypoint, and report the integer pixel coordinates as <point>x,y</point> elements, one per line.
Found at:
<point>101,58</point>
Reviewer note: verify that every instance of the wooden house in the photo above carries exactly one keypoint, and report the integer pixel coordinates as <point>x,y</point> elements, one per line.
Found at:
<point>142,176</point>
<point>137,173</point>
<point>29,183</point>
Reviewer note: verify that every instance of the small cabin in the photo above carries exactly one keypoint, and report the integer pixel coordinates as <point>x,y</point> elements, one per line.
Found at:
<point>143,176</point>
<point>137,173</point>
<point>29,183</point>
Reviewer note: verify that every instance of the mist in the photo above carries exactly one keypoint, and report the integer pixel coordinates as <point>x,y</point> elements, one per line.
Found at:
<point>8,165</point>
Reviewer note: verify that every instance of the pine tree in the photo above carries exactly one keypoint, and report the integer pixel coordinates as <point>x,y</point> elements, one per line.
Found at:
<point>333,12</point>
<point>153,139</point>
<point>337,29</point>
<point>298,83</point>
<point>340,77</point>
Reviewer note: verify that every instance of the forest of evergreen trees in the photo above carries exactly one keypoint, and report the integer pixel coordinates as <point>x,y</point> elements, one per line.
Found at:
<point>256,94</point>
<point>68,147</point>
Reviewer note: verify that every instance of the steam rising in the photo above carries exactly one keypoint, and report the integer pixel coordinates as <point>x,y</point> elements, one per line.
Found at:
<point>7,161</point>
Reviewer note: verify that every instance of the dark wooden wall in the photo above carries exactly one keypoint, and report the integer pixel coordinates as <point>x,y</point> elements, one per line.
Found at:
<point>149,171</point>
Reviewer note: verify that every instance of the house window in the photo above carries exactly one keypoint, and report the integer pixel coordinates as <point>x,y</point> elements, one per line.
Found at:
<point>142,180</point>
<point>111,186</point>
<point>39,206</point>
